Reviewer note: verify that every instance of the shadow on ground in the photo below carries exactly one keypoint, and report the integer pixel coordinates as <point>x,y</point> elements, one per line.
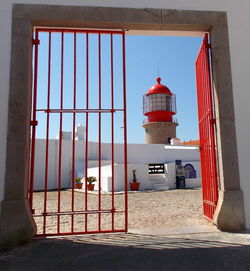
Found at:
<point>128,252</point>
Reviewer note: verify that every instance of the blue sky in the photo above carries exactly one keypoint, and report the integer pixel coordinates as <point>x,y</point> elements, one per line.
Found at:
<point>173,58</point>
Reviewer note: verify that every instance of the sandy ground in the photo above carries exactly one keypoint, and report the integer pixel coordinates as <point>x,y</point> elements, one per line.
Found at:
<point>149,212</point>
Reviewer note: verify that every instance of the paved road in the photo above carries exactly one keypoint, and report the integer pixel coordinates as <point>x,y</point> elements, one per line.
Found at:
<point>201,251</point>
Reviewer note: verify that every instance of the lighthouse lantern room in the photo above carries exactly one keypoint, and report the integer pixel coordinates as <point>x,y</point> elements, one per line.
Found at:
<point>159,106</point>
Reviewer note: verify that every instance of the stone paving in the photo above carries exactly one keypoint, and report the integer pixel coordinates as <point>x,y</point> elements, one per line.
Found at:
<point>207,251</point>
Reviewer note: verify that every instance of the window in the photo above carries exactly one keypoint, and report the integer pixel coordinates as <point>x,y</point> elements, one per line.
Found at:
<point>158,102</point>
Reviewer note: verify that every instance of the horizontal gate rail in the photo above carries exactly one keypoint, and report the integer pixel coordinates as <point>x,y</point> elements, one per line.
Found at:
<point>55,48</point>
<point>80,110</point>
<point>79,212</point>
<point>213,204</point>
<point>74,30</point>
<point>80,232</point>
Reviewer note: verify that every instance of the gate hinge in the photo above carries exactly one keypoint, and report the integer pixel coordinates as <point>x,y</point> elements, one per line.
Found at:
<point>208,45</point>
<point>212,121</point>
<point>35,41</point>
<point>33,123</point>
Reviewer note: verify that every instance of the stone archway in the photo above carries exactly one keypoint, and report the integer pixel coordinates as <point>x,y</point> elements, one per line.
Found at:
<point>16,222</point>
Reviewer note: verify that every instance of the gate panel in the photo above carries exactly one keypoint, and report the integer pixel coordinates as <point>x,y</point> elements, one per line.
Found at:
<point>78,76</point>
<point>206,130</point>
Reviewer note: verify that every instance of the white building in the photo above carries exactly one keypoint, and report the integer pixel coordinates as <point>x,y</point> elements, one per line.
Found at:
<point>139,158</point>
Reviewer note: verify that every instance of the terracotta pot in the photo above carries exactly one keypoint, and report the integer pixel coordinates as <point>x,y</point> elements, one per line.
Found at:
<point>134,186</point>
<point>79,185</point>
<point>90,187</point>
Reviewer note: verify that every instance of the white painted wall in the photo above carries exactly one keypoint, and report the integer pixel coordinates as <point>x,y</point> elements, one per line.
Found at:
<point>170,175</point>
<point>142,176</point>
<point>66,162</point>
<point>147,182</point>
<point>193,183</point>
<point>106,173</point>
<point>239,29</point>
<point>137,154</point>
<point>151,153</point>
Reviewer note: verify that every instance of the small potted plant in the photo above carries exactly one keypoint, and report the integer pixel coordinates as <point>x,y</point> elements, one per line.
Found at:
<point>91,185</point>
<point>134,186</point>
<point>78,183</point>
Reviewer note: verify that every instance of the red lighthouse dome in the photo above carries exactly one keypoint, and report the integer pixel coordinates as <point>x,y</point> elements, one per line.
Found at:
<point>159,88</point>
<point>159,103</point>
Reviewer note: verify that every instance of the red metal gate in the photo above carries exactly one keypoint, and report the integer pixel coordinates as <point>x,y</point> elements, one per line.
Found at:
<point>78,75</point>
<point>206,130</point>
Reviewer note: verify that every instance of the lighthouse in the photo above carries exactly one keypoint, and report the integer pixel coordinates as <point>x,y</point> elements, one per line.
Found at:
<point>159,107</point>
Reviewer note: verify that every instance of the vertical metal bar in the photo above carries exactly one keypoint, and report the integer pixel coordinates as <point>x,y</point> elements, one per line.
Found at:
<point>125,132</point>
<point>99,132</point>
<point>209,166</point>
<point>214,116</point>
<point>73,141</point>
<point>203,127</point>
<point>60,135</point>
<point>47,139</point>
<point>199,102</point>
<point>87,129</point>
<point>213,156</point>
<point>33,129</point>
<point>200,109</point>
<point>205,124</point>
<point>112,129</point>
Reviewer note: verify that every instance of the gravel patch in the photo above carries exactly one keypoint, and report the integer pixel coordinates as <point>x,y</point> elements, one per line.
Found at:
<point>153,211</point>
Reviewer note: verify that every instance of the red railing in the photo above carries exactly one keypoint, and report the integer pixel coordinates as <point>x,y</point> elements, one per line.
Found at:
<point>207,131</point>
<point>174,120</point>
<point>60,36</point>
